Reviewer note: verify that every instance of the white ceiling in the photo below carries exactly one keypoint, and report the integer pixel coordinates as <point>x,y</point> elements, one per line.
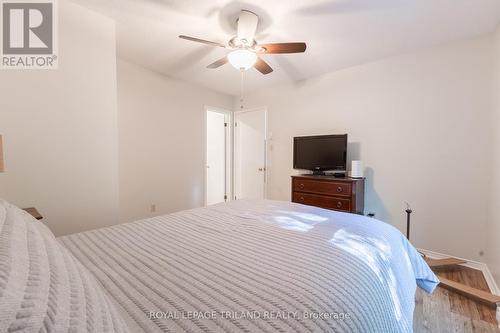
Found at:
<point>339,33</point>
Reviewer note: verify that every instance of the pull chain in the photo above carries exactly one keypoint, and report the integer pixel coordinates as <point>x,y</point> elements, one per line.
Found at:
<point>241,89</point>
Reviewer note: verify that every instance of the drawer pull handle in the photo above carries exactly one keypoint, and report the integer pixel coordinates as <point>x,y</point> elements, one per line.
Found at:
<point>339,189</point>
<point>301,185</point>
<point>339,204</point>
<point>301,198</point>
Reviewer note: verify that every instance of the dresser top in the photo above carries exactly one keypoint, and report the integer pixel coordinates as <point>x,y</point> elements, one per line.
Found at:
<point>330,178</point>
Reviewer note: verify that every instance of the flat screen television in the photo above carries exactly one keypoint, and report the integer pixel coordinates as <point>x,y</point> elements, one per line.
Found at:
<point>320,153</point>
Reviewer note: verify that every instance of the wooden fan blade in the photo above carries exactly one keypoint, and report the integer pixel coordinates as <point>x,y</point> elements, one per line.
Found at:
<point>198,40</point>
<point>284,47</point>
<point>263,66</point>
<point>218,63</point>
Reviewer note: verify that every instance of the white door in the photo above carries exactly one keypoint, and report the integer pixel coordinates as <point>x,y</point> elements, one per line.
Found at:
<point>250,154</point>
<point>216,158</point>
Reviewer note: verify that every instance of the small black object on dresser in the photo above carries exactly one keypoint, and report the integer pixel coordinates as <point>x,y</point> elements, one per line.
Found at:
<point>341,194</point>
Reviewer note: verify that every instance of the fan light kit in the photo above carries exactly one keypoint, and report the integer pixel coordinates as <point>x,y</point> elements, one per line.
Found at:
<point>242,59</point>
<point>245,51</point>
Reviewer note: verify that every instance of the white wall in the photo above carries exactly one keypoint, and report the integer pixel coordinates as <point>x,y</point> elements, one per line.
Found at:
<point>161,141</point>
<point>420,122</point>
<point>60,130</point>
<point>494,228</point>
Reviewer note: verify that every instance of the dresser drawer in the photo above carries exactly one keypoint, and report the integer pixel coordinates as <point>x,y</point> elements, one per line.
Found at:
<point>321,187</point>
<point>323,201</point>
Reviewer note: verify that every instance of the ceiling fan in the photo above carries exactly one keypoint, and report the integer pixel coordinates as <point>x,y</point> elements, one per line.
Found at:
<point>245,50</point>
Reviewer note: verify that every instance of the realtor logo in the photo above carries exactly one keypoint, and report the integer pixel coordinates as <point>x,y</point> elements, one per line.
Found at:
<point>28,34</point>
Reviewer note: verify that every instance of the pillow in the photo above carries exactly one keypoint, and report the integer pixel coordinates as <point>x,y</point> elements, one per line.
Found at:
<point>43,288</point>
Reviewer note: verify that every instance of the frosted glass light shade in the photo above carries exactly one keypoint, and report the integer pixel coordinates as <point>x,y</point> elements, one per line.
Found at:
<point>242,59</point>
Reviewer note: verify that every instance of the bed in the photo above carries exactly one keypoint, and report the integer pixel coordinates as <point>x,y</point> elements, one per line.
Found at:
<point>244,266</point>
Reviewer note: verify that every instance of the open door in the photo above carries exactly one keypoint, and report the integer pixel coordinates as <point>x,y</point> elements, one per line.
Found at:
<point>216,157</point>
<point>250,154</point>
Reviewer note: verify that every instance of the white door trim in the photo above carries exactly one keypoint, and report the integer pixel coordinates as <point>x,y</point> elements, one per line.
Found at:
<point>229,150</point>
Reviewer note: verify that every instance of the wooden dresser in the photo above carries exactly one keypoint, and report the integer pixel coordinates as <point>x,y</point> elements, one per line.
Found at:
<point>342,194</point>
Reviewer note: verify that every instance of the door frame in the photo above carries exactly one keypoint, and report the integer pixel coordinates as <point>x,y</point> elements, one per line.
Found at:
<point>266,151</point>
<point>228,151</point>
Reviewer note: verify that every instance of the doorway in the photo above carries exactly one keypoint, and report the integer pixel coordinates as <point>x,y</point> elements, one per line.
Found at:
<point>217,176</point>
<point>250,156</point>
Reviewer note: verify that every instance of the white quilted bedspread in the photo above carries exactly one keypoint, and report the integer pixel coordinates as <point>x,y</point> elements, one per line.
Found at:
<point>257,266</point>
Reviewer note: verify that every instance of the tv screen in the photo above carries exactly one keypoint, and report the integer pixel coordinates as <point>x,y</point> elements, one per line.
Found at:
<point>324,152</point>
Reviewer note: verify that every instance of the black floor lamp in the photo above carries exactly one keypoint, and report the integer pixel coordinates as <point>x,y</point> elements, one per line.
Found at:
<point>408,211</point>
<point>408,216</point>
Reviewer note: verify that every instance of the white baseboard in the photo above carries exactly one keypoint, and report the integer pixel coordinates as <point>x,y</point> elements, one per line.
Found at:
<point>480,266</point>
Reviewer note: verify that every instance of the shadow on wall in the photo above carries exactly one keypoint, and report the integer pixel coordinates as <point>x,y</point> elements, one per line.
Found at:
<point>353,152</point>
<point>373,202</point>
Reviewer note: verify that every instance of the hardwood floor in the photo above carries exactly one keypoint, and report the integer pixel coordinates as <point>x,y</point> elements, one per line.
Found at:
<point>445,311</point>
